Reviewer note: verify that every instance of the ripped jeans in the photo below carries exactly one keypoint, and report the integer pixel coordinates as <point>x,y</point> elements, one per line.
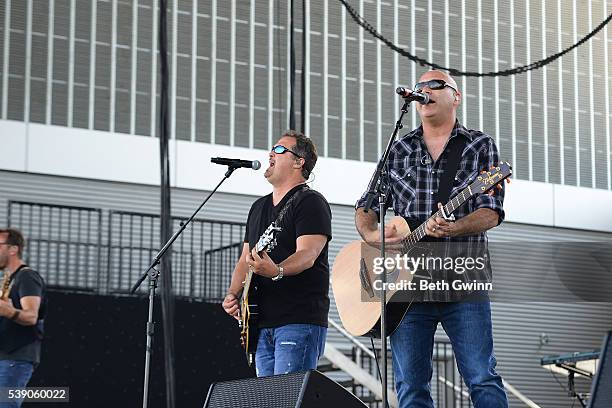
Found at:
<point>290,348</point>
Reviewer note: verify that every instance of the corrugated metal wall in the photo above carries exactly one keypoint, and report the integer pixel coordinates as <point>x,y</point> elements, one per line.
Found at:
<point>517,326</point>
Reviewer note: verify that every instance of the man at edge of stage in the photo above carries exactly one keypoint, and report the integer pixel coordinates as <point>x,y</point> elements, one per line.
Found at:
<point>415,167</point>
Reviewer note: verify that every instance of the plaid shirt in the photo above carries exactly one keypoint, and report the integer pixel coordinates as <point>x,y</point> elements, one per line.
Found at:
<point>413,179</point>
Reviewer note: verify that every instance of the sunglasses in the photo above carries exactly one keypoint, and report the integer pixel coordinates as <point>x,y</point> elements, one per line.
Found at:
<point>433,84</point>
<point>280,149</point>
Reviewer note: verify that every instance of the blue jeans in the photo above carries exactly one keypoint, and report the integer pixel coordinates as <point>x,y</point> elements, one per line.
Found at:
<point>14,374</point>
<point>288,349</point>
<point>468,326</point>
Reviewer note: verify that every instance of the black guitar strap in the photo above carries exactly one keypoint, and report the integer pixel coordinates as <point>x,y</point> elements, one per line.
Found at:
<point>291,199</point>
<point>455,149</point>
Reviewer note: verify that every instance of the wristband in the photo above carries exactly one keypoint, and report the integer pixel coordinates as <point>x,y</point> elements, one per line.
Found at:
<point>15,315</point>
<point>280,274</point>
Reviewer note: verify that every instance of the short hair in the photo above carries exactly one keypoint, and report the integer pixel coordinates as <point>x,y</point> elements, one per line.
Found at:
<point>14,237</point>
<point>306,149</point>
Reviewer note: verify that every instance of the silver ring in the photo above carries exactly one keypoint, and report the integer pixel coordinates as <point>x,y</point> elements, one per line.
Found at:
<point>433,229</point>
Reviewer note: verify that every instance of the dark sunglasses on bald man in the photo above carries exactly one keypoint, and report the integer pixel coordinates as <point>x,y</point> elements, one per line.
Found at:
<point>433,84</point>
<point>280,149</point>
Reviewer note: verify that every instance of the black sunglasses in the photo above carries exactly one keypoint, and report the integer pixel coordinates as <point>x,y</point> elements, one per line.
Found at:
<point>432,84</point>
<point>280,149</point>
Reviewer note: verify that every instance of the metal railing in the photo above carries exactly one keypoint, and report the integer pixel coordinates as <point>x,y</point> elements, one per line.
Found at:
<point>219,259</point>
<point>88,249</point>
<point>203,257</point>
<point>63,242</point>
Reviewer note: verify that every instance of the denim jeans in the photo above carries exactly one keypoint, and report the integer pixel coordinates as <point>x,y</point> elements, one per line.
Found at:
<point>288,349</point>
<point>14,374</point>
<point>468,326</point>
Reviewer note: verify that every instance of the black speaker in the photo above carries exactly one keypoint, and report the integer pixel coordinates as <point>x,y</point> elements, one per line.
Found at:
<point>309,389</point>
<point>601,391</point>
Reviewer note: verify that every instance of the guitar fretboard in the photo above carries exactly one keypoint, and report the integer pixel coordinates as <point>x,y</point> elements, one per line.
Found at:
<point>450,207</point>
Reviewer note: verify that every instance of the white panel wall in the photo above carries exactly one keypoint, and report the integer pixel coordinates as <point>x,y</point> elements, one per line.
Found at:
<point>580,206</point>
<point>135,159</point>
<point>92,154</point>
<point>530,202</point>
<point>13,146</point>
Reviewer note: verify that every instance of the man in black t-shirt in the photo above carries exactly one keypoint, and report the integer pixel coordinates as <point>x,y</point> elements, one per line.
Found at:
<point>21,314</point>
<point>291,281</point>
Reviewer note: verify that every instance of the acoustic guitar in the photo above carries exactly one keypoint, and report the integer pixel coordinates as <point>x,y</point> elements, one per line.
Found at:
<point>353,274</point>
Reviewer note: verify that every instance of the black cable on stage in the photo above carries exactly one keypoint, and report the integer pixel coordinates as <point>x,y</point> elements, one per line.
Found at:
<point>512,71</point>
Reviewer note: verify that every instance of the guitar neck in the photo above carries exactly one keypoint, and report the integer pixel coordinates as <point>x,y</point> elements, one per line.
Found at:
<point>247,284</point>
<point>450,207</point>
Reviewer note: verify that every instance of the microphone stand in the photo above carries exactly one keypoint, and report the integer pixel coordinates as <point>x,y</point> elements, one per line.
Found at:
<point>153,275</point>
<point>377,186</point>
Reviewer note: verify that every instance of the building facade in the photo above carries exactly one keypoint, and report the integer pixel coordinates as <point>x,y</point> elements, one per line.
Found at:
<point>80,94</point>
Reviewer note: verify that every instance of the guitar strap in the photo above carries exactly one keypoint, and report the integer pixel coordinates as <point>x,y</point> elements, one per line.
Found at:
<point>291,199</point>
<point>454,149</point>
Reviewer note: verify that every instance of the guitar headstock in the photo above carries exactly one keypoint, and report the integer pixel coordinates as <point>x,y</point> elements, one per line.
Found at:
<point>267,241</point>
<point>489,179</point>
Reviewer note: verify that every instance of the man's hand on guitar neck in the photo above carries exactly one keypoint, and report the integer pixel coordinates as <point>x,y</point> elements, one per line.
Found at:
<point>438,227</point>
<point>480,220</point>
<point>230,302</point>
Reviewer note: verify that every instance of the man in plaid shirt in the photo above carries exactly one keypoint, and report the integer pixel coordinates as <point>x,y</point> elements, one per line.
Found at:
<point>414,168</point>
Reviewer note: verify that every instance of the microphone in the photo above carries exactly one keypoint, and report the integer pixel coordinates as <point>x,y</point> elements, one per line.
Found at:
<point>406,93</point>
<point>236,163</point>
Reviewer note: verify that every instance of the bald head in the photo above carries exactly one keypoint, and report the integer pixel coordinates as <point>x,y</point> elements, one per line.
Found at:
<point>435,74</point>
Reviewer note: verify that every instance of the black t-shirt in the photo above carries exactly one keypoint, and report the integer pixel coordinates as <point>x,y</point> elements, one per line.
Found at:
<point>301,298</point>
<point>26,282</point>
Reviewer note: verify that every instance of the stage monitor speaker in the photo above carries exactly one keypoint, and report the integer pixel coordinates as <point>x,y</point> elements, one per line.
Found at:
<point>309,389</point>
<point>601,390</point>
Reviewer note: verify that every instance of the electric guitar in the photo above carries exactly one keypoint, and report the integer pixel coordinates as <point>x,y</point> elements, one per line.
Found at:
<point>353,271</point>
<point>248,309</point>
<point>6,286</point>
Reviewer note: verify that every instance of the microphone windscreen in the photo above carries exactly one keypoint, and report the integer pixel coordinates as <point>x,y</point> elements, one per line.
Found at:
<point>256,165</point>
